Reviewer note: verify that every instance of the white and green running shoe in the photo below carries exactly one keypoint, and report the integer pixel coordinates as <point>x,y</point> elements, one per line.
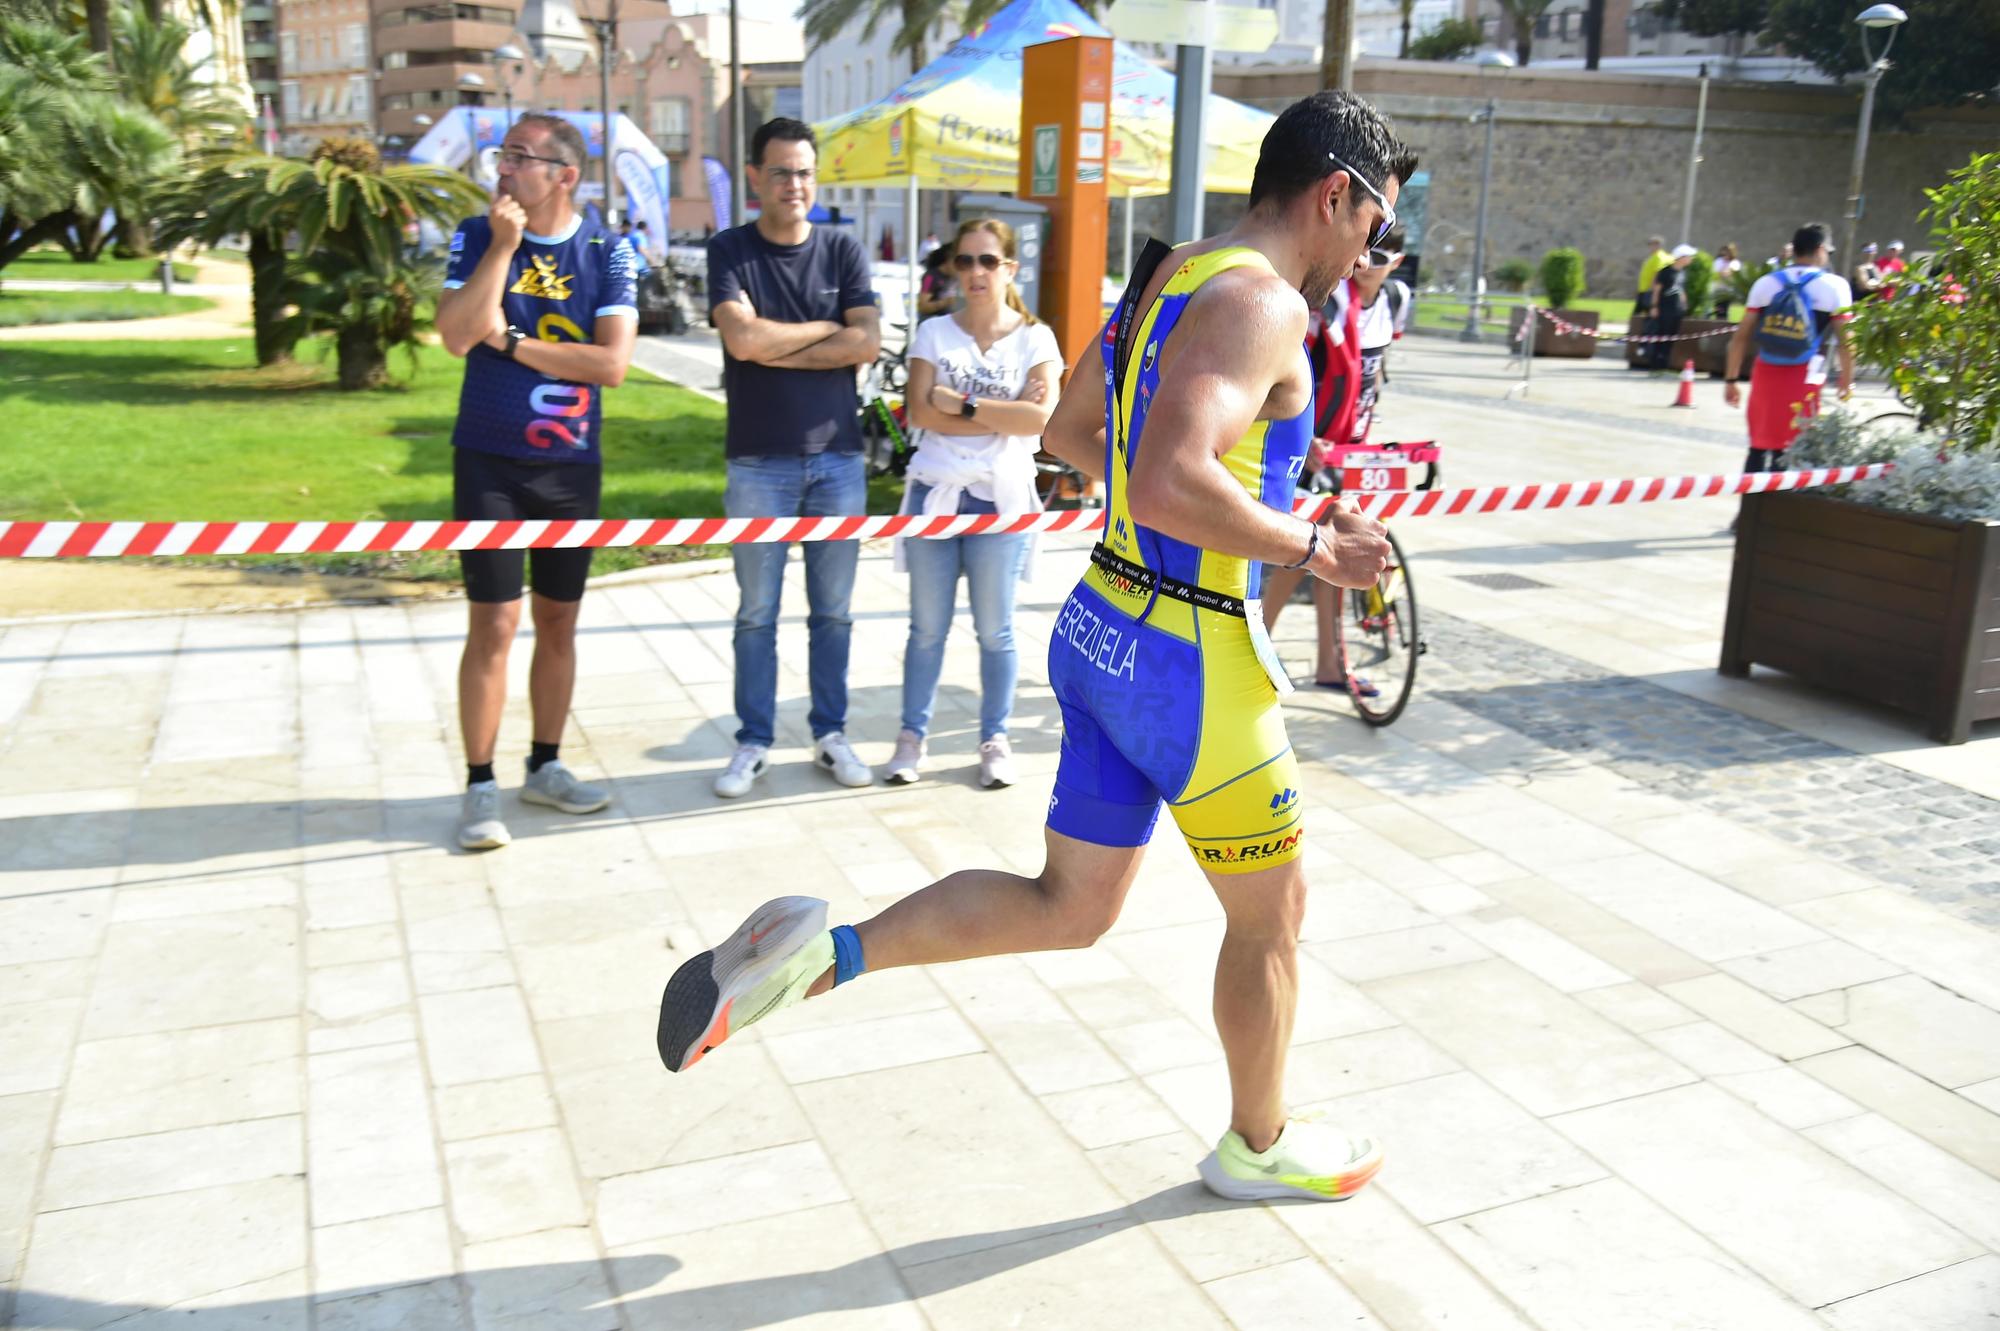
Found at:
<point>767,964</point>
<point>1310,1159</point>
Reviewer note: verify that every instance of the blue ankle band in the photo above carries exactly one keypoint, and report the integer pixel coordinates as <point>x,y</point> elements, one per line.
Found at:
<point>847,959</point>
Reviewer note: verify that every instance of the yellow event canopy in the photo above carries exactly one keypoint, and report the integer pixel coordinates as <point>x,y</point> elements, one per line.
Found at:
<point>956,124</point>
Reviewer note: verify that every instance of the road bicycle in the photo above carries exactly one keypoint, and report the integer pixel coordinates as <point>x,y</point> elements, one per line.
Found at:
<point>1376,630</point>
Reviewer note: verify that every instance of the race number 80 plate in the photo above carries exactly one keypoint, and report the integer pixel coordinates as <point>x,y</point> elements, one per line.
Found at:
<point>1373,471</point>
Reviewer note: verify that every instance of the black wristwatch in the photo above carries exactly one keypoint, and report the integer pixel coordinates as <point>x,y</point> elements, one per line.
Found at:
<point>967,407</point>
<point>514,339</point>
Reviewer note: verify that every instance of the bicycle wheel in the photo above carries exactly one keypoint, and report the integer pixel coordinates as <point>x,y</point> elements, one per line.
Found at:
<point>1380,641</point>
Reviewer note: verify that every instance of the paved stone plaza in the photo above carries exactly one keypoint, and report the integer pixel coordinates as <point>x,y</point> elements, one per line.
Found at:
<point>1675,999</point>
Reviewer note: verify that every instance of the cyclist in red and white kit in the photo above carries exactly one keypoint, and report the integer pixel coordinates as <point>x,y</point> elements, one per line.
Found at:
<point>1349,343</point>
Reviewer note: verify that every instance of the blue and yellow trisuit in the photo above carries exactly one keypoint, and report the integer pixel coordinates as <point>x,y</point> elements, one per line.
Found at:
<point>1153,662</point>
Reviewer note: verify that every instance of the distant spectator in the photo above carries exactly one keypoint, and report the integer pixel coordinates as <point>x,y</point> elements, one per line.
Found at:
<point>1867,274</point>
<point>1657,257</point>
<point>888,248</point>
<point>1727,266</point>
<point>930,245</point>
<point>1892,267</point>
<point>939,291</point>
<point>1669,306</point>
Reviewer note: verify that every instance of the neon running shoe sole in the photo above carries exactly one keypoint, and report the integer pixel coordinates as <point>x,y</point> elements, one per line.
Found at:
<point>1247,1183</point>
<point>767,961</point>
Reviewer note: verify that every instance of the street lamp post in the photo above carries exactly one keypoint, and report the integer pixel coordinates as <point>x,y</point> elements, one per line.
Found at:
<point>1875,16</point>
<point>1486,60</point>
<point>471,83</point>
<point>507,61</point>
<point>607,50</point>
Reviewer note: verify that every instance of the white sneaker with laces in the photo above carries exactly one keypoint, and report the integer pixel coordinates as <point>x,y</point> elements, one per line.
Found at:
<point>745,766</point>
<point>996,763</point>
<point>909,757</point>
<point>835,756</point>
<point>556,786</point>
<point>479,825</point>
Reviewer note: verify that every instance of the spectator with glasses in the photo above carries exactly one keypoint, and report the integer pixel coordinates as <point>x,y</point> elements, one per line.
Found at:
<point>540,303</point>
<point>796,310</point>
<point>983,382</point>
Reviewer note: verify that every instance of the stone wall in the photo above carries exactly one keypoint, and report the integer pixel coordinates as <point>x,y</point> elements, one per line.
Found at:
<point>1599,161</point>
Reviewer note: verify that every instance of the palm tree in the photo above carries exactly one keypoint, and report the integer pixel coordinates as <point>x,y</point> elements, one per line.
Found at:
<point>151,68</point>
<point>914,19</point>
<point>1522,16</point>
<point>1408,9</point>
<point>343,201</point>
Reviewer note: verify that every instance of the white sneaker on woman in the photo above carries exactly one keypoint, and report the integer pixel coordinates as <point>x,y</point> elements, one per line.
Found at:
<point>996,763</point>
<point>745,766</point>
<point>909,756</point>
<point>835,756</point>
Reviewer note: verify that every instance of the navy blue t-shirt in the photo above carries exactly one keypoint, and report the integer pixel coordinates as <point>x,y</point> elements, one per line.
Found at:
<point>557,288</point>
<point>784,413</point>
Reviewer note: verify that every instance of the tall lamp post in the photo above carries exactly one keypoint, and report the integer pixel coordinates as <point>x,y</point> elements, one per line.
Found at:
<point>1875,16</point>
<point>507,62</point>
<point>607,52</point>
<point>1486,60</point>
<point>470,85</point>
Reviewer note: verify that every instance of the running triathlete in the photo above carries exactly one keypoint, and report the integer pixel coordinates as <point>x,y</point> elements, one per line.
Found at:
<point>1169,690</point>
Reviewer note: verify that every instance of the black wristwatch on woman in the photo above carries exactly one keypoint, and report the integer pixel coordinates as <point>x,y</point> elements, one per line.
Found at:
<point>514,338</point>
<point>967,407</point>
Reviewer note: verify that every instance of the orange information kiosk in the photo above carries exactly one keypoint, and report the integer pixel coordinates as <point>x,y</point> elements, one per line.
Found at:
<point>1065,150</point>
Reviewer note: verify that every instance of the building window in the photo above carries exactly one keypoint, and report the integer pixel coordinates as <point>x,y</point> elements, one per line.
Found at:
<point>395,59</point>
<point>357,96</point>
<point>288,100</point>
<point>668,124</point>
<point>288,52</point>
<point>868,80</point>
<point>356,35</point>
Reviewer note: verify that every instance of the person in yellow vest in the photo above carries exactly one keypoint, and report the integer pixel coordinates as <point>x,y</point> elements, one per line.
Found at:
<point>1658,257</point>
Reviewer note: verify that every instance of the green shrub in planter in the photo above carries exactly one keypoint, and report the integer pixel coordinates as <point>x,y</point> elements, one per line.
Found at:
<point>1562,276</point>
<point>1513,275</point>
<point>1939,339</point>
<point>1961,484</point>
<point>1700,280</point>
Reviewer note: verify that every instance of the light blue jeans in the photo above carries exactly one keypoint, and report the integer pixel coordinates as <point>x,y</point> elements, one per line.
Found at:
<point>992,566</point>
<point>811,486</point>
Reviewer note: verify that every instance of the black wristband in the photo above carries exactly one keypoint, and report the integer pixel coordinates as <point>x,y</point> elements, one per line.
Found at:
<point>1312,548</point>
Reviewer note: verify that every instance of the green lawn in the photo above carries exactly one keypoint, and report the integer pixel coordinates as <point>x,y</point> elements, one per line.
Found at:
<point>64,307</point>
<point>54,265</point>
<point>188,430</point>
<point>1438,310</point>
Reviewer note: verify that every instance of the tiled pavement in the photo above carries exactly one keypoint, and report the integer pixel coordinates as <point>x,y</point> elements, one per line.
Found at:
<point>1675,998</point>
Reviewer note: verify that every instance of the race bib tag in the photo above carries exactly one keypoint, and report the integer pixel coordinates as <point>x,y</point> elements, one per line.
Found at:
<point>1267,651</point>
<point>1816,370</point>
<point>1373,472</point>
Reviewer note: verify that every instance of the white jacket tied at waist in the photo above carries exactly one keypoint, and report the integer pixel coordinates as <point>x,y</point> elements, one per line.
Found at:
<point>951,464</point>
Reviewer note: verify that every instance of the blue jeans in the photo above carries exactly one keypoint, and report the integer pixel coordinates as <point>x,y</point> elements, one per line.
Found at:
<point>992,567</point>
<point>811,486</point>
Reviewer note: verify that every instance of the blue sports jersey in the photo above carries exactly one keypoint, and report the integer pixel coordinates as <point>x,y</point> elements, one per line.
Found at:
<point>557,288</point>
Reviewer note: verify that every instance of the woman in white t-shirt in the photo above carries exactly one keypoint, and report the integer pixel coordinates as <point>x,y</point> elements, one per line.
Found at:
<point>982,384</point>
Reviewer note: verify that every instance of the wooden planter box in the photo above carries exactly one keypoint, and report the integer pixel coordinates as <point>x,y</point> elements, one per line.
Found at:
<point>1709,352</point>
<point>1893,608</point>
<point>1548,342</point>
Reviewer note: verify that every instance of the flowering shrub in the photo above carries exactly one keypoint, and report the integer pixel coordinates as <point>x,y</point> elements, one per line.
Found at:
<point>1930,476</point>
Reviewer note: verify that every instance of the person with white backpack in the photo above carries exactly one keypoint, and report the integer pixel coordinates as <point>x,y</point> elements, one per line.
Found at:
<point>1789,317</point>
<point>983,382</point>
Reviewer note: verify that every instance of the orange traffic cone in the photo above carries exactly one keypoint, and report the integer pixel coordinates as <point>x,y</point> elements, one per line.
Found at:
<point>1685,398</point>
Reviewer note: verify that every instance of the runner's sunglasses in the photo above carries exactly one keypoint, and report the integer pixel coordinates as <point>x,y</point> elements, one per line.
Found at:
<point>989,261</point>
<point>511,158</point>
<point>1388,221</point>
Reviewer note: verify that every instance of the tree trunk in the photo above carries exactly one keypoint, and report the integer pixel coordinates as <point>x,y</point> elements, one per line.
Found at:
<point>1408,15</point>
<point>364,361</point>
<point>135,238</point>
<point>97,17</point>
<point>1336,56</point>
<point>1524,40</point>
<point>19,242</point>
<point>1593,34</point>
<point>267,298</point>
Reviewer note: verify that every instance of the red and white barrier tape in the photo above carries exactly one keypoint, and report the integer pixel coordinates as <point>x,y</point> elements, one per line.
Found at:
<point>107,540</point>
<point>1564,326</point>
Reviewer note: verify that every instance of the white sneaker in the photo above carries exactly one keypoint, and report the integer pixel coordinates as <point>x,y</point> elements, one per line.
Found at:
<point>557,786</point>
<point>479,825</point>
<point>745,766</point>
<point>909,756</point>
<point>835,756</point>
<point>996,763</point>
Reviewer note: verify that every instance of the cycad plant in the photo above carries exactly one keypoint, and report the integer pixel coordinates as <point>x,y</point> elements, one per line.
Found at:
<point>343,201</point>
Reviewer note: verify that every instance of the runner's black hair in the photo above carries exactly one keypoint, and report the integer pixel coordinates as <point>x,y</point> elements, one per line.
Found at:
<point>1808,239</point>
<point>567,138</point>
<point>781,127</point>
<point>1294,155</point>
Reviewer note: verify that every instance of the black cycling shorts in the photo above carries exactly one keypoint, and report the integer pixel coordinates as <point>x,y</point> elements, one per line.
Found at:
<point>486,486</point>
